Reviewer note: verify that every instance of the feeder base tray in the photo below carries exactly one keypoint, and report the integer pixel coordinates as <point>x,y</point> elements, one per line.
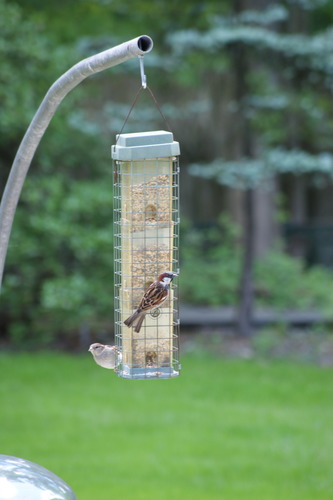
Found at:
<point>148,373</point>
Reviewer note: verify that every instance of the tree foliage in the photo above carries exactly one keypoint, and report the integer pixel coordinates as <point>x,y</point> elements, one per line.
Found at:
<point>290,85</point>
<point>60,264</point>
<point>251,173</point>
<point>281,282</point>
<point>58,274</point>
<point>271,64</point>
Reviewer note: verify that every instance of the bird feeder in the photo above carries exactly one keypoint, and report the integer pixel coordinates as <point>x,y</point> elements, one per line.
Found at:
<point>146,234</point>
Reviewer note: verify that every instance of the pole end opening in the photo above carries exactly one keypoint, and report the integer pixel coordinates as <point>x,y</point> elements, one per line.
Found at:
<point>145,43</point>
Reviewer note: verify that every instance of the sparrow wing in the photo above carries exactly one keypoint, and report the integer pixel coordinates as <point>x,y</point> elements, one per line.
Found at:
<point>154,296</point>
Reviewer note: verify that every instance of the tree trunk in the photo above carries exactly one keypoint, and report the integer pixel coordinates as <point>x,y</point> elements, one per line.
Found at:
<point>246,291</point>
<point>246,286</point>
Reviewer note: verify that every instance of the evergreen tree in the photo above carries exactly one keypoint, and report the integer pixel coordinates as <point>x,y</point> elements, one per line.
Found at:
<point>281,68</point>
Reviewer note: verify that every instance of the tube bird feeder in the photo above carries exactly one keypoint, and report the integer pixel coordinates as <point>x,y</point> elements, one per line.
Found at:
<point>146,234</point>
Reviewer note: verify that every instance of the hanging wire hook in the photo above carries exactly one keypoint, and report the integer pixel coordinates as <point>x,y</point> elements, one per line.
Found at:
<point>142,71</point>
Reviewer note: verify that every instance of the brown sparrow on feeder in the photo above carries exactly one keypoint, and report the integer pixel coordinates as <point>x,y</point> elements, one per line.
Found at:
<point>154,296</point>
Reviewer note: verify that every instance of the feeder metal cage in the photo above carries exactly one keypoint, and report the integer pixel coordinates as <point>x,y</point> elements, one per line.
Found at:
<point>146,242</point>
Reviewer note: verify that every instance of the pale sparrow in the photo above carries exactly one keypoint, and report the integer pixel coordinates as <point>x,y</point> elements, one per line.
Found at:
<point>154,296</point>
<point>107,356</point>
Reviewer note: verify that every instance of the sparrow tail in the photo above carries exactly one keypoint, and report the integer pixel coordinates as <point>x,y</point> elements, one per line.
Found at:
<point>139,323</point>
<point>136,319</point>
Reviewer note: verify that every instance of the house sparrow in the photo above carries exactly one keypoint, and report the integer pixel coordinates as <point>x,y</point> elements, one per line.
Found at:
<point>107,356</point>
<point>154,296</point>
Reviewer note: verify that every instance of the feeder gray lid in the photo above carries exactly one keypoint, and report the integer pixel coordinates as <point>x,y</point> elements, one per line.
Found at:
<point>145,145</point>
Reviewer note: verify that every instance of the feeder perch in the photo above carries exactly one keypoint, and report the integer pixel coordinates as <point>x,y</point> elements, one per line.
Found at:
<point>146,233</point>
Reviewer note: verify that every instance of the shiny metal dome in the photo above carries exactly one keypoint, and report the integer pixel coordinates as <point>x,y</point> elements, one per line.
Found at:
<point>24,480</point>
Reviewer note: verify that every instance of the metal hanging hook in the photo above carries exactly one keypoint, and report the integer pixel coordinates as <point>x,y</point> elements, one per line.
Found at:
<point>142,71</point>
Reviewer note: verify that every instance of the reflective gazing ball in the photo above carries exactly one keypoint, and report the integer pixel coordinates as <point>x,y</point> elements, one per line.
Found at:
<point>24,480</point>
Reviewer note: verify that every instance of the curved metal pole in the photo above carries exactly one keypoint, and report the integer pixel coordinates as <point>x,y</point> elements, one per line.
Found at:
<point>111,57</point>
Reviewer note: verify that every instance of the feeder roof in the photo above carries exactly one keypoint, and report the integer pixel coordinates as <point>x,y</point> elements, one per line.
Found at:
<point>145,145</point>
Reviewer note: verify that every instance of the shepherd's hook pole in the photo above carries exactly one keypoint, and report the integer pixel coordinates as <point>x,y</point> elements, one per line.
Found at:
<point>61,87</point>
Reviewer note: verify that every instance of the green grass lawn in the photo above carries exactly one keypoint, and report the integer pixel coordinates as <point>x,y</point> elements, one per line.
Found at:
<point>225,429</point>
